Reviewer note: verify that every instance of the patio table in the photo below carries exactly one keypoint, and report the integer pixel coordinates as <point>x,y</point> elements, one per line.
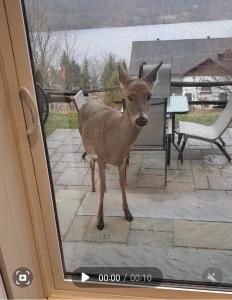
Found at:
<point>175,105</point>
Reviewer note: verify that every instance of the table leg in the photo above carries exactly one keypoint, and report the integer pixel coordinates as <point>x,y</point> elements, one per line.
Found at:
<point>169,142</point>
<point>173,116</point>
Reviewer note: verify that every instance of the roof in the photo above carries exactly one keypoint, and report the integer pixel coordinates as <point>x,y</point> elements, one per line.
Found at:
<point>183,55</point>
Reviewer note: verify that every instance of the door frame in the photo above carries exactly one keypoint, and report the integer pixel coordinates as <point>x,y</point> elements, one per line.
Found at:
<point>40,202</point>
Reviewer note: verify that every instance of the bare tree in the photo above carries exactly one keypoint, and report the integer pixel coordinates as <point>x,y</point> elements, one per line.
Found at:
<point>44,44</point>
<point>95,68</point>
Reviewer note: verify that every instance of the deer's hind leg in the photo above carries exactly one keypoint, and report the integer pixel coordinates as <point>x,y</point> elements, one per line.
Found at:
<point>100,221</point>
<point>92,167</point>
<point>122,181</point>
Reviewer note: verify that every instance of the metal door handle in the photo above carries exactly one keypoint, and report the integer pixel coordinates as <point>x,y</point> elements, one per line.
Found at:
<point>30,102</point>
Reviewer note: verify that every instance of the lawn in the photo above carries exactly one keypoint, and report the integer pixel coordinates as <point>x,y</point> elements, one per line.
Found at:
<point>60,120</point>
<point>69,120</point>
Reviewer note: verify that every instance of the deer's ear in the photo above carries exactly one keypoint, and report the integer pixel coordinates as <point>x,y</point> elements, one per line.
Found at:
<point>150,78</point>
<point>123,76</point>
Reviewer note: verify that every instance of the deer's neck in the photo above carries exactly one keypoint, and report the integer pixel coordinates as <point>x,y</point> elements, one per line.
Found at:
<point>129,131</point>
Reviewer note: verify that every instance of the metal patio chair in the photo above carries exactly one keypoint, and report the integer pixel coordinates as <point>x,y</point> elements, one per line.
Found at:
<point>153,137</point>
<point>211,134</point>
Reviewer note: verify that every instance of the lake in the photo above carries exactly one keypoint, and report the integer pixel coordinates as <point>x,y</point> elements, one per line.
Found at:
<point>99,42</point>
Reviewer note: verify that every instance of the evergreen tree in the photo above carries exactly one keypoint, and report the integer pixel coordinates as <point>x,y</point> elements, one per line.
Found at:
<point>85,75</point>
<point>108,70</point>
<point>75,75</point>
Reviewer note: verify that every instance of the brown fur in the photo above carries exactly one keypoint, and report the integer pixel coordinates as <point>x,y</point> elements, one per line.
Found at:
<point>108,135</point>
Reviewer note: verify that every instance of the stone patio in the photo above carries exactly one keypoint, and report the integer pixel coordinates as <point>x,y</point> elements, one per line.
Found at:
<point>182,228</point>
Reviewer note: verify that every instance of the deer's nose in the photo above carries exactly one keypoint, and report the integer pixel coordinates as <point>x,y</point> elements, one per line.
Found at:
<point>141,121</point>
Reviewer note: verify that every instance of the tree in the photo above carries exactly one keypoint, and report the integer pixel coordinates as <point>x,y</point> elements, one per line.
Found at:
<point>45,47</point>
<point>108,70</point>
<point>85,75</point>
<point>95,70</point>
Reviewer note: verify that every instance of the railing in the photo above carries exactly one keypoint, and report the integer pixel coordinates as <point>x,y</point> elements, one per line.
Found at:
<point>66,96</point>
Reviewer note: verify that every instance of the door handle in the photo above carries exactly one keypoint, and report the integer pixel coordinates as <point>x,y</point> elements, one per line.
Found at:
<point>30,102</point>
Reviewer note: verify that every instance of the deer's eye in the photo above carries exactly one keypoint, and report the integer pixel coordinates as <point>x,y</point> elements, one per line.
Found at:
<point>148,97</point>
<point>129,98</point>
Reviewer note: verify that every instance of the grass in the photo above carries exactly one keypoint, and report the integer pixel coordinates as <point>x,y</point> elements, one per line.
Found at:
<point>69,120</point>
<point>60,120</point>
<point>202,117</point>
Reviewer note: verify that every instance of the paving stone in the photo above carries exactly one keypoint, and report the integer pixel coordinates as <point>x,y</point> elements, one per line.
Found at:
<point>51,151</point>
<point>52,164</point>
<point>67,209</point>
<point>136,158</point>
<point>195,142</point>
<point>209,193</point>
<point>59,135</point>
<point>154,238</point>
<point>151,171</point>
<point>198,162</point>
<point>75,134</point>
<point>229,149</point>
<point>151,224</point>
<point>80,164</point>
<point>55,177</point>
<point>53,144</point>
<point>63,226</point>
<point>180,176</point>
<point>72,141</point>
<point>192,154</point>
<point>176,263</point>
<point>154,181</point>
<point>190,206</point>
<point>78,228</point>
<point>81,149</point>
<point>227,171</point>
<point>72,176</point>
<point>71,194</point>
<point>220,183</point>
<point>57,188</point>
<point>60,166</point>
<point>173,187</point>
<point>215,159</point>
<point>201,182</point>
<point>152,162</point>
<point>68,148</point>
<point>174,164</point>
<point>71,157</point>
<point>56,157</point>
<point>204,170</point>
<point>115,231</point>
<point>79,188</point>
<point>209,235</point>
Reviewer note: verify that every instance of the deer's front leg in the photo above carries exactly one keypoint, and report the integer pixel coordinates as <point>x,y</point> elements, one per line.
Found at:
<point>92,167</point>
<point>122,181</point>
<point>100,221</point>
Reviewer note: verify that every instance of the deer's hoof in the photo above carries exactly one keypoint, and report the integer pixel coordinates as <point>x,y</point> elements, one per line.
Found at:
<point>128,216</point>
<point>93,190</point>
<point>100,225</point>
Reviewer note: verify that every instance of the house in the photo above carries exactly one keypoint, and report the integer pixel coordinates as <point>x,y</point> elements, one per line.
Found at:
<point>191,60</point>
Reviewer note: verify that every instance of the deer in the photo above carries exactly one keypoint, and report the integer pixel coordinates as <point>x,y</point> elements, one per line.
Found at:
<point>108,135</point>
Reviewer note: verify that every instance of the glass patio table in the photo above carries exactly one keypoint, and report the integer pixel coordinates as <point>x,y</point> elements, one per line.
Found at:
<point>175,105</point>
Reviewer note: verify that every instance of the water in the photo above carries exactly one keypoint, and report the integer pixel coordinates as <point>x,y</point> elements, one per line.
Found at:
<point>101,41</point>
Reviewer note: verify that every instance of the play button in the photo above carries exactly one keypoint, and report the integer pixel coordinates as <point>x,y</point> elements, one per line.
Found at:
<point>84,277</point>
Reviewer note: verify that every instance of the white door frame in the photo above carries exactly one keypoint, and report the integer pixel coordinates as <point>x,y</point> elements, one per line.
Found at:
<point>37,183</point>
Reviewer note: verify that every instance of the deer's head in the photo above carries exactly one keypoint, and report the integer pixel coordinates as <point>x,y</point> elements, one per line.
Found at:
<point>138,94</point>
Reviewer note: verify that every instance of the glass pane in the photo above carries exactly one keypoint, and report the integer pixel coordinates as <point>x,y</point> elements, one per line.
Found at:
<point>164,130</point>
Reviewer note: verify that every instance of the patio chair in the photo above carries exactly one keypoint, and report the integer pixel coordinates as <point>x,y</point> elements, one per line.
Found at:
<point>211,134</point>
<point>154,136</point>
<point>43,105</point>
